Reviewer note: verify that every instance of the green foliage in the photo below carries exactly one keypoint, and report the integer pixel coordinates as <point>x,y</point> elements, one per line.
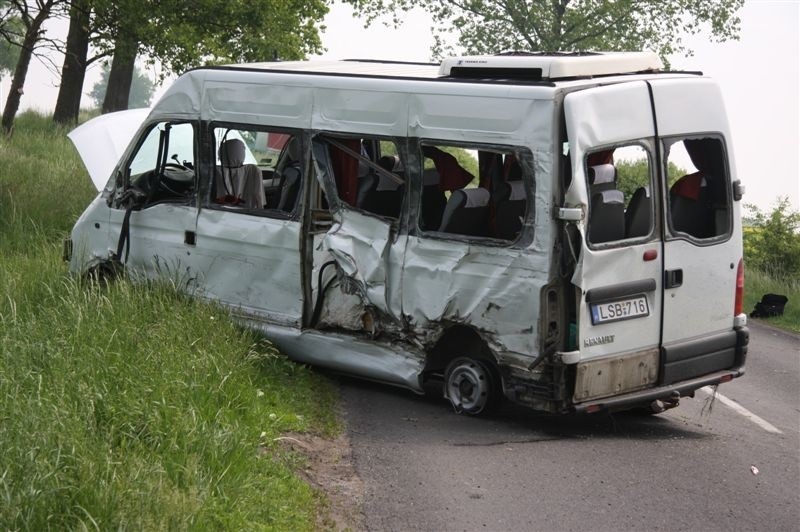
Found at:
<point>489,26</point>
<point>772,241</point>
<point>131,406</point>
<point>632,174</point>
<point>11,30</point>
<point>180,35</point>
<point>142,88</point>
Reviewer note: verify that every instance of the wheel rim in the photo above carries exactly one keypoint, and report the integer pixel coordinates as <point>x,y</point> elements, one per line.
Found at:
<point>468,386</point>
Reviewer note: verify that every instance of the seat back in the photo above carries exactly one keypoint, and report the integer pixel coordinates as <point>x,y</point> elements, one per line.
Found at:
<point>689,206</point>
<point>433,201</point>
<point>290,171</point>
<point>510,204</point>
<point>291,178</point>
<point>236,179</point>
<point>639,214</point>
<point>607,216</point>
<point>467,212</point>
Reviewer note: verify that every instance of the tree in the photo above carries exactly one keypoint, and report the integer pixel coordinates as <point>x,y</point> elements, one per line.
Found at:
<point>73,72</point>
<point>494,26</point>
<point>32,18</point>
<point>141,92</point>
<point>181,35</point>
<point>772,242</point>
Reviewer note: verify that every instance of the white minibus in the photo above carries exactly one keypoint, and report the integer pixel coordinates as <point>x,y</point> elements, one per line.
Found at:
<point>560,230</point>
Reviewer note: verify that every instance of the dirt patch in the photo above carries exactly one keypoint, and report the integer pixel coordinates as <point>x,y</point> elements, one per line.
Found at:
<point>329,468</point>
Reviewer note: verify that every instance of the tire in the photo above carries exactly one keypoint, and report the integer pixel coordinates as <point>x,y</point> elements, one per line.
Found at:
<point>471,385</point>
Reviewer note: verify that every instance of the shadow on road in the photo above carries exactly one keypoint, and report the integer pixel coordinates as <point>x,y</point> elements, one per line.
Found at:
<point>386,412</point>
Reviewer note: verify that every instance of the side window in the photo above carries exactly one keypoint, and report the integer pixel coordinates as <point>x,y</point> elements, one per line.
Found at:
<point>699,198</point>
<point>163,168</point>
<point>369,174</point>
<point>256,170</point>
<point>472,191</point>
<point>620,194</point>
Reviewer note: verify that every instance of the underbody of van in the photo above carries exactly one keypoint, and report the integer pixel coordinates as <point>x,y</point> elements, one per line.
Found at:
<point>563,231</point>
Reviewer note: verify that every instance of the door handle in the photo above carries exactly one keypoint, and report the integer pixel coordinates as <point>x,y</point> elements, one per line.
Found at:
<point>673,278</point>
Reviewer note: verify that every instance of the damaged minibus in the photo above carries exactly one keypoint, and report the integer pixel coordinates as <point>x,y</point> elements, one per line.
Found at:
<point>560,230</point>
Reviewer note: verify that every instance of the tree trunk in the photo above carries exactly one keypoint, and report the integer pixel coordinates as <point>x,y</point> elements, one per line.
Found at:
<point>120,76</point>
<point>21,70</point>
<point>68,104</point>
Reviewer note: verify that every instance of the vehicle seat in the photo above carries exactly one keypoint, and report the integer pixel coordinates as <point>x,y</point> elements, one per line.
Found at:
<point>602,177</point>
<point>388,194</point>
<point>689,206</point>
<point>639,214</point>
<point>433,201</point>
<point>510,204</point>
<point>607,216</point>
<point>236,180</point>
<point>289,170</point>
<point>467,212</point>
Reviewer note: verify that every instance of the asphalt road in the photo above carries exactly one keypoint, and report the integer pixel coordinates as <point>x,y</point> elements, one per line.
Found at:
<point>691,468</point>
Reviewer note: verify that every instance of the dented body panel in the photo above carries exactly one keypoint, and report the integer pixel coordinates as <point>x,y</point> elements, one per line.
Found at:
<point>393,298</point>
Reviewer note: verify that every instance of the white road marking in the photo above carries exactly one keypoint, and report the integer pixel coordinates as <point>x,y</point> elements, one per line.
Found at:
<point>763,423</point>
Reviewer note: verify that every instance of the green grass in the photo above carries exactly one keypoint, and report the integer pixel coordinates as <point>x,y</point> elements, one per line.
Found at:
<point>758,283</point>
<point>131,406</point>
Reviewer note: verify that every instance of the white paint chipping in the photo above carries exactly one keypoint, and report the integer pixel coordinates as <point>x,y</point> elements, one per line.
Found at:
<point>764,424</point>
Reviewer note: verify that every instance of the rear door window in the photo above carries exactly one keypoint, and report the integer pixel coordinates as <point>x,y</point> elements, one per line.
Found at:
<point>620,194</point>
<point>699,195</point>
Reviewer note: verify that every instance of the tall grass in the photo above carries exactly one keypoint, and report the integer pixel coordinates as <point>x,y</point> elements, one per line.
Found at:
<point>131,406</point>
<point>758,283</point>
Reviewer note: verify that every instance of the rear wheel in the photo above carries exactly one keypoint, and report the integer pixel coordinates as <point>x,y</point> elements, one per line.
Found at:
<point>471,385</point>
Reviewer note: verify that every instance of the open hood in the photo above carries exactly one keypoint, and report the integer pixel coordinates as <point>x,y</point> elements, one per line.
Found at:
<point>102,140</point>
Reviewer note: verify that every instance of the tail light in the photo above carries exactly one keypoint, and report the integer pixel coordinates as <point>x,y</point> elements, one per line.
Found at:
<point>738,305</point>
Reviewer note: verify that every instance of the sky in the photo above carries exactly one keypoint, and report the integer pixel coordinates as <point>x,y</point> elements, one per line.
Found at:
<point>758,76</point>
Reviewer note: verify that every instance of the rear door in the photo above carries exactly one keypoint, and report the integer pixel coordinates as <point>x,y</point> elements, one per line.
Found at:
<point>619,271</point>
<point>702,249</point>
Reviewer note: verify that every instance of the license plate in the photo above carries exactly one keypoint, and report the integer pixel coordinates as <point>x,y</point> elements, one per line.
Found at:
<point>626,309</point>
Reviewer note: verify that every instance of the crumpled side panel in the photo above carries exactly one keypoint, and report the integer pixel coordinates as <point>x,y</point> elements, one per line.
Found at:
<point>360,244</point>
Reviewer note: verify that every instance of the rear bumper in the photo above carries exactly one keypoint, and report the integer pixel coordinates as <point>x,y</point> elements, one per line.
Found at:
<point>642,397</point>
<point>729,349</point>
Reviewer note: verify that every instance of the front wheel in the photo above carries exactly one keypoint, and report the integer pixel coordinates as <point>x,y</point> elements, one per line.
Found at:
<point>471,386</point>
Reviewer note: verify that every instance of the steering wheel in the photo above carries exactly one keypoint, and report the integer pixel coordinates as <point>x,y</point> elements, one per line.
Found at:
<point>175,165</point>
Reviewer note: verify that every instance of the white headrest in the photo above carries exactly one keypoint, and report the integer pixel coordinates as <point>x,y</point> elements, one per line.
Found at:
<point>232,153</point>
<point>476,197</point>
<point>517,190</point>
<point>612,196</point>
<point>603,173</point>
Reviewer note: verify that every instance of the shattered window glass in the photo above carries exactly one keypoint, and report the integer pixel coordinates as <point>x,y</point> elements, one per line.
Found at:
<point>699,201</point>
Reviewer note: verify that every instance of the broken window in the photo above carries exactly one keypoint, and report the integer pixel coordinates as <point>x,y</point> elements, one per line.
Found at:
<point>163,168</point>
<point>699,201</point>
<point>620,194</point>
<point>369,174</point>
<point>256,169</point>
<point>472,191</point>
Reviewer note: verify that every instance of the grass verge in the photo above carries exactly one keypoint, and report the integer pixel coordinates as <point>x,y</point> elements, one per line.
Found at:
<point>758,283</point>
<point>131,406</point>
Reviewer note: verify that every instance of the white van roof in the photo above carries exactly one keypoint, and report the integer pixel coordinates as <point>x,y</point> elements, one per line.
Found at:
<point>363,67</point>
<point>517,66</point>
